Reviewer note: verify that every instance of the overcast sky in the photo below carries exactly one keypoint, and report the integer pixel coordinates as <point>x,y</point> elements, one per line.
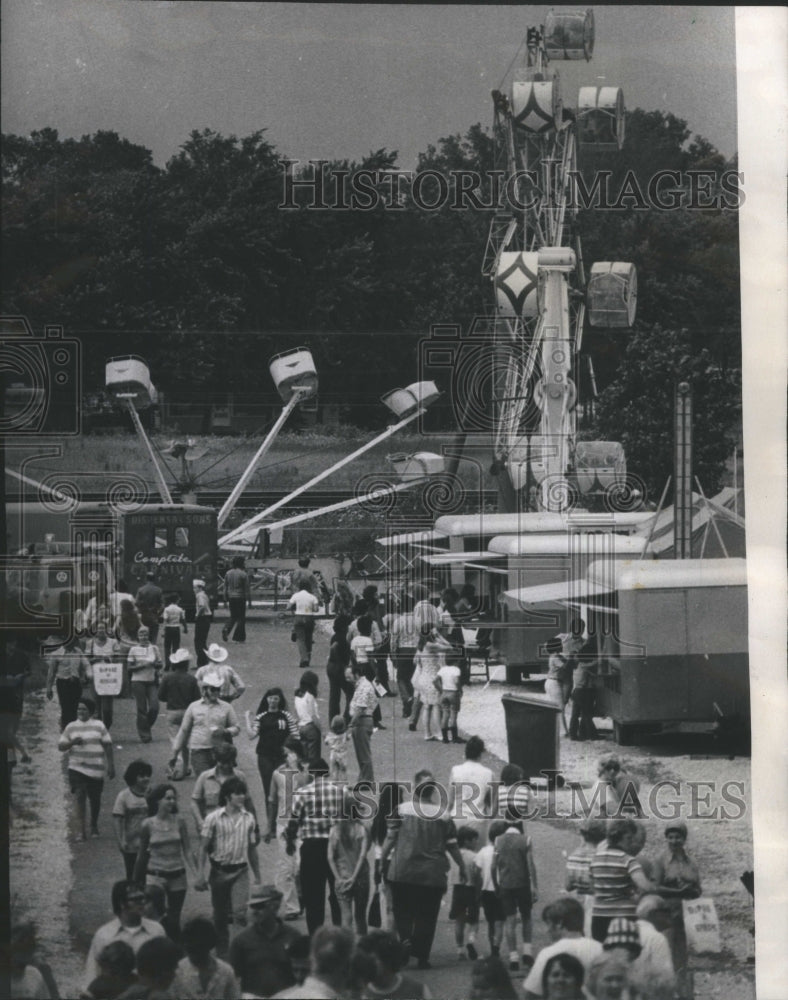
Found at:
<point>335,80</point>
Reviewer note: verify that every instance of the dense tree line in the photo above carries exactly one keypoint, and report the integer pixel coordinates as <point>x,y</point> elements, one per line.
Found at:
<point>198,267</point>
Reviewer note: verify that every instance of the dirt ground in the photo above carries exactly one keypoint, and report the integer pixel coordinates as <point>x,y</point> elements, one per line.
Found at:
<point>43,863</point>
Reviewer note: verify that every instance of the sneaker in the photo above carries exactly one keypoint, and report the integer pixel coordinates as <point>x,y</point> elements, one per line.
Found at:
<point>473,954</point>
<point>430,739</point>
<point>94,833</point>
<point>458,739</point>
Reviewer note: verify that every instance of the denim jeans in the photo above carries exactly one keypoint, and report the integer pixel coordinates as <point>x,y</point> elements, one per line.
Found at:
<point>146,695</point>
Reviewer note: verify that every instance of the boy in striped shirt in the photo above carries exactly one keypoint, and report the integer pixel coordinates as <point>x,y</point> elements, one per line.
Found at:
<point>90,759</point>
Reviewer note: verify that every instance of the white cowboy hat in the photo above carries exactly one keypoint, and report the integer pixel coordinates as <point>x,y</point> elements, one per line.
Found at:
<point>180,655</point>
<point>211,681</point>
<point>198,583</point>
<point>216,653</point>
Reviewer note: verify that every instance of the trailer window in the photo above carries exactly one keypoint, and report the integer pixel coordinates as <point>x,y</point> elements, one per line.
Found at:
<point>160,538</point>
<point>181,538</point>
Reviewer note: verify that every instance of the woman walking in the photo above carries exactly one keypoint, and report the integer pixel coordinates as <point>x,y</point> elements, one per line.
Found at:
<point>272,726</point>
<point>308,715</point>
<point>90,760</point>
<point>362,708</point>
<point>338,661</point>
<point>677,878</point>
<point>203,616</point>
<point>165,853</point>
<point>432,648</point>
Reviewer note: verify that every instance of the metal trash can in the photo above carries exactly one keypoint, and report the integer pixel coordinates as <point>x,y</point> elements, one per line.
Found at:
<point>532,735</point>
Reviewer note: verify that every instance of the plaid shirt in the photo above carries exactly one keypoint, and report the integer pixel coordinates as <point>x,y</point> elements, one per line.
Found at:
<point>315,808</point>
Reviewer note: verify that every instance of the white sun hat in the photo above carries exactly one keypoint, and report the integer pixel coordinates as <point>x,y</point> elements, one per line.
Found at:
<point>180,655</point>
<point>216,653</point>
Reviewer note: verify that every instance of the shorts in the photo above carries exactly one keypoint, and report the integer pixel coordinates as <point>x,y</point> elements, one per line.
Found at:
<point>513,900</point>
<point>464,904</point>
<point>491,905</point>
<point>450,699</point>
<point>83,782</point>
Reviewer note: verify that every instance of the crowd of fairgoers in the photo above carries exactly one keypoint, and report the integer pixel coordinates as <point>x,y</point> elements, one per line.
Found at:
<point>381,852</point>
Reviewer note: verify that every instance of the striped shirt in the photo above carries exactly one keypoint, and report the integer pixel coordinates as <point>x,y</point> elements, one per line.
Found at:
<point>229,835</point>
<point>315,807</point>
<point>514,801</point>
<point>578,870</point>
<point>133,811</point>
<point>87,757</point>
<point>614,890</point>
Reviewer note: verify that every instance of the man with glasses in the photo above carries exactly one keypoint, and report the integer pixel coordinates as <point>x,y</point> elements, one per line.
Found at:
<point>200,721</point>
<point>129,925</point>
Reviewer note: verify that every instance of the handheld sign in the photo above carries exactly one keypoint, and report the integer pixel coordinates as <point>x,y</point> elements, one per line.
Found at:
<point>108,679</point>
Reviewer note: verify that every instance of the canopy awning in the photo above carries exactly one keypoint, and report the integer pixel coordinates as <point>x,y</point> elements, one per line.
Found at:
<point>564,591</point>
<point>426,537</point>
<point>453,558</point>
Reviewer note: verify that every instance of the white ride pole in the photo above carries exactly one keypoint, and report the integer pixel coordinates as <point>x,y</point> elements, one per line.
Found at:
<point>288,408</point>
<point>231,536</point>
<point>135,417</point>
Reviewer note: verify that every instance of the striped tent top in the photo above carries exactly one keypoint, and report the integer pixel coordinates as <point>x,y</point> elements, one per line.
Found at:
<point>87,757</point>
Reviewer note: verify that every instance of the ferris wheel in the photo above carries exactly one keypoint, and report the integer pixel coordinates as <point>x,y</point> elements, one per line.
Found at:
<point>534,260</point>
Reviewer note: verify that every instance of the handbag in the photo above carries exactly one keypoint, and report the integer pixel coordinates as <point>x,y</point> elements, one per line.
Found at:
<point>374,918</point>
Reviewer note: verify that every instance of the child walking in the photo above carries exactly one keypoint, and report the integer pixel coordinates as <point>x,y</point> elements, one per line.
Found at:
<point>174,620</point>
<point>491,903</point>
<point>308,715</point>
<point>338,743</point>
<point>465,896</point>
<point>348,846</point>
<point>514,874</point>
<point>449,685</point>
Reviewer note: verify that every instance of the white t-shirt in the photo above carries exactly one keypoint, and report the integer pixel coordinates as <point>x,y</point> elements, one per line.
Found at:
<point>584,949</point>
<point>304,603</point>
<point>475,779</point>
<point>450,678</point>
<point>483,861</point>
<point>360,647</point>
<point>306,709</point>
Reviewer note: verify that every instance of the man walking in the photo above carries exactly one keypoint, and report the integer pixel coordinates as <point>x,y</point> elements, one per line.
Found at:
<point>144,664</point>
<point>150,604</point>
<point>259,954</point>
<point>236,593</point>
<point>315,808</point>
<point>305,606</point>
<point>200,720</point>
<point>227,851</point>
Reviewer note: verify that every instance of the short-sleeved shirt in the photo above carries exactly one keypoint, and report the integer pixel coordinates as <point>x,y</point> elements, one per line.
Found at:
<point>178,690</point>
<point>404,632</point>
<point>69,664</point>
<point>364,698</point>
<point>229,834</point>
<point>146,659</point>
<point>202,605</point>
<point>578,870</point>
<point>483,862</point>
<point>221,985</point>
<point>315,807</point>
<point>201,719</point>
<point>306,709</point>
<point>173,616</point>
<point>207,788</point>
<point>133,809</point>
<point>88,757</point>
<point>614,891</point>
<point>419,856</point>
<point>273,728</point>
<point>236,583</point>
<point>450,678</point>
<point>472,781</point>
<point>361,646</point>
<point>231,682</point>
<point>115,931</point>
<point>304,603</point>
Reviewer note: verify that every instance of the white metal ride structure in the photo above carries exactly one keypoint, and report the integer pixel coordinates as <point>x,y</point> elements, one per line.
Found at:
<point>127,378</point>
<point>535,262</point>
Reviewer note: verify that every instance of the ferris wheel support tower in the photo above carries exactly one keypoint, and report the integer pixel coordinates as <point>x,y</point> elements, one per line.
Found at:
<point>535,262</point>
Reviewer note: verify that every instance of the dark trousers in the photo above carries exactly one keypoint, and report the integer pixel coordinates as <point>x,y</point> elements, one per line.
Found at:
<point>404,666</point>
<point>303,629</point>
<point>581,723</point>
<point>68,694</point>
<point>311,739</point>
<point>237,606</point>
<point>266,767</point>
<point>228,888</point>
<point>172,641</point>
<point>202,626</point>
<point>336,685</point>
<point>146,694</point>
<point>129,860</point>
<point>416,909</point>
<point>105,705</point>
<point>315,872</point>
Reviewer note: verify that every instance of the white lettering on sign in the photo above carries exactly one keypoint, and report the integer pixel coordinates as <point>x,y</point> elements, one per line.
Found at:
<point>140,557</point>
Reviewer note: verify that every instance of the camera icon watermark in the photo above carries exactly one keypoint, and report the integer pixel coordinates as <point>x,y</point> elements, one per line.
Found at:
<point>42,380</point>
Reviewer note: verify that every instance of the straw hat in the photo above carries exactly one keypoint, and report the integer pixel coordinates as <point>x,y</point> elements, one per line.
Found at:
<point>180,655</point>
<point>211,681</point>
<point>216,653</point>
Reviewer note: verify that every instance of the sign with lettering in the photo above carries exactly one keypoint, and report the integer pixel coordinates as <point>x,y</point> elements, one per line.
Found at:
<point>702,925</point>
<point>108,679</point>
